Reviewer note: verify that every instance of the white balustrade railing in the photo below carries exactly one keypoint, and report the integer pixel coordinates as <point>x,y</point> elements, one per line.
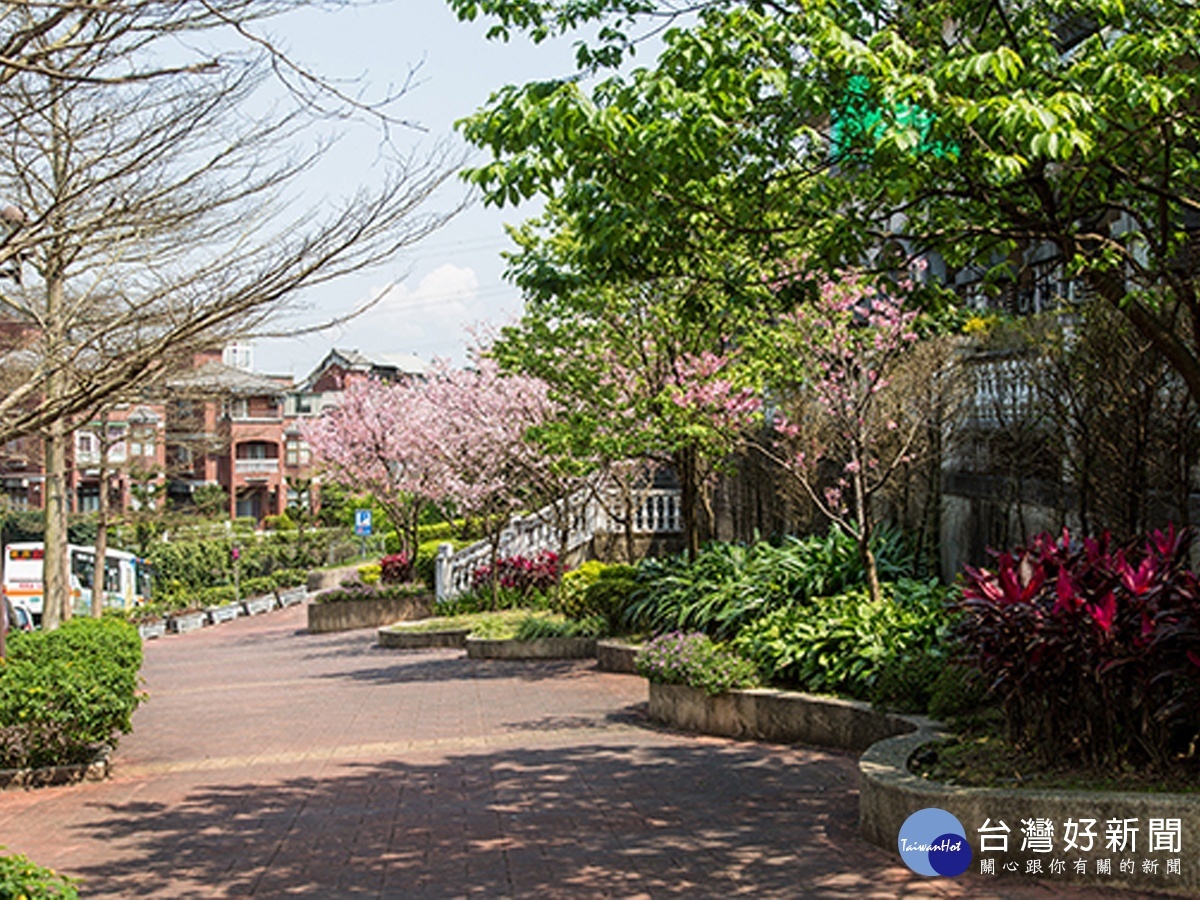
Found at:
<point>529,535</point>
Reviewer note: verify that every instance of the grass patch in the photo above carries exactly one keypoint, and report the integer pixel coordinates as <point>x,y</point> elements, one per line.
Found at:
<point>506,625</point>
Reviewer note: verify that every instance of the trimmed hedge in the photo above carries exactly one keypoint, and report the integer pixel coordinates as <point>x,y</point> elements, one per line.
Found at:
<point>65,692</point>
<point>373,592</point>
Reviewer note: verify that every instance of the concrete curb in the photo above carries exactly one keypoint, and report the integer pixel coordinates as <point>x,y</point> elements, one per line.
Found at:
<point>96,770</point>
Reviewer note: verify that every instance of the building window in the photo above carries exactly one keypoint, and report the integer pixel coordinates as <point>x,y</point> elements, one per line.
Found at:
<point>239,408</point>
<point>298,453</point>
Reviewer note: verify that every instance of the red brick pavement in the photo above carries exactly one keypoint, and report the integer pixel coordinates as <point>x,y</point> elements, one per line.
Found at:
<point>273,763</point>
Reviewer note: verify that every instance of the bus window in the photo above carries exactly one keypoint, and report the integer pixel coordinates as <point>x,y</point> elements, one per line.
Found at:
<point>143,581</point>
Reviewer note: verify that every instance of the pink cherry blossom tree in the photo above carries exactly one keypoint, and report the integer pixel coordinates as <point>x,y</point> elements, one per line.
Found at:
<point>477,439</point>
<point>375,441</point>
<point>842,351</point>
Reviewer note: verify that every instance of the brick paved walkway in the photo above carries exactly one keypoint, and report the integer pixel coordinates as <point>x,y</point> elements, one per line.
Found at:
<point>270,762</point>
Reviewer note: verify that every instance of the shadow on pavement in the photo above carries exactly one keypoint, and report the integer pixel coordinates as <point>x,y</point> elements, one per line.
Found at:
<point>579,821</point>
<point>438,665</point>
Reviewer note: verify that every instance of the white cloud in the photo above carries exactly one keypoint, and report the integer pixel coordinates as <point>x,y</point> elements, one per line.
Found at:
<point>428,319</point>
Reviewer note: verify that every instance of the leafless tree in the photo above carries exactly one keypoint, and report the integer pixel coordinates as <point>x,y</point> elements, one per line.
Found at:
<point>154,208</point>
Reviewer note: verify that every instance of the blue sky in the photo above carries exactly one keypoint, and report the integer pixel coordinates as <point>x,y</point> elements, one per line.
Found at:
<point>452,280</point>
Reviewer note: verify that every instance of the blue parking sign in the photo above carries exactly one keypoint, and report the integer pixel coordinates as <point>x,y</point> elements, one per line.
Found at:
<point>362,522</point>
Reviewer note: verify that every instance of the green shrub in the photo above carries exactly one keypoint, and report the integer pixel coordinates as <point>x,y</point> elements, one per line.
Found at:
<point>959,692</point>
<point>370,573</point>
<point>64,692</point>
<point>286,578</point>
<point>21,879</point>
<point>597,589</point>
<point>694,660</point>
<point>907,683</point>
<point>217,596</point>
<point>281,522</point>
<point>253,587</point>
<point>842,644</point>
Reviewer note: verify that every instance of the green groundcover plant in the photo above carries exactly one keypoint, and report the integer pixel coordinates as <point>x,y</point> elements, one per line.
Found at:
<point>694,660</point>
<point>731,585</point>
<point>845,643</point>
<point>63,693</point>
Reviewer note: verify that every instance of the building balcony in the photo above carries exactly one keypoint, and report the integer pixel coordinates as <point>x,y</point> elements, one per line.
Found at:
<point>256,466</point>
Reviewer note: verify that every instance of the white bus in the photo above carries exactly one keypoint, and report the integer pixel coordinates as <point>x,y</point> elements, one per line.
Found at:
<point>126,578</point>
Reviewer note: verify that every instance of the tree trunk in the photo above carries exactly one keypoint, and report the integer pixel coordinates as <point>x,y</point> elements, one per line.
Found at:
<point>98,592</point>
<point>685,467</point>
<point>862,517</point>
<point>98,572</point>
<point>56,563</point>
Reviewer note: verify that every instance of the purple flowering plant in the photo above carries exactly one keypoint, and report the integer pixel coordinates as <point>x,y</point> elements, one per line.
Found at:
<point>693,659</point>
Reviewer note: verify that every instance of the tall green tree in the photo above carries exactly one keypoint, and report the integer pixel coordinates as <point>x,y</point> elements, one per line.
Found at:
<point>982,133</point>
<point>635,377</point>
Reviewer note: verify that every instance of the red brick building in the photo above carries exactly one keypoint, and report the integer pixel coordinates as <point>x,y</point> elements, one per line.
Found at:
<point>229,427</point>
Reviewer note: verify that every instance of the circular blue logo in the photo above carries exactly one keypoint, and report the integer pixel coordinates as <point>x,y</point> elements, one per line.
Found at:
<point>933,842</point>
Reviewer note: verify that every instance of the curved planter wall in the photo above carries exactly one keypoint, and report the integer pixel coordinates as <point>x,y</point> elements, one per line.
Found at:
<point>400,638</point>
<point>781,717</point>
<point>889,793</point>
<point>541,648</point>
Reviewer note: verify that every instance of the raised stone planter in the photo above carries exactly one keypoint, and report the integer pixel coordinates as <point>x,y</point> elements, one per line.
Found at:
<point>397,637</point>
<point>181,623</point>
<point>151,629</point>
<point>292,596</point>
<point>541,648</point>
<point>781,717</point>
<point>255,606</point>
<point>96,770</point>
<point>617,656</point>
<point>346,615</point>
<point>889,793</point>
<point>226,612</point>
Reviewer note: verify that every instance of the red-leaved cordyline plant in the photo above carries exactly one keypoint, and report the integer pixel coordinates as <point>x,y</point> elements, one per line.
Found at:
<point>524,574</point>
<point>844,345</point>
<point>396,568</point>
<point>1093,649</point>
